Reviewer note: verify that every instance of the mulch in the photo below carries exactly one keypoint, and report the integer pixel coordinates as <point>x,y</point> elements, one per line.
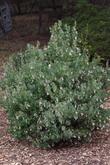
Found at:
<point>14,152</point>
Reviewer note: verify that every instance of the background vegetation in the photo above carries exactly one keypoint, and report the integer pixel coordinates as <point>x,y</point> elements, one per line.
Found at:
<point>92,16</point>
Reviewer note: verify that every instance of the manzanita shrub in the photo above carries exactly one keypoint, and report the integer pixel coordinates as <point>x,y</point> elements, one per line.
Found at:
<point>55,94</point>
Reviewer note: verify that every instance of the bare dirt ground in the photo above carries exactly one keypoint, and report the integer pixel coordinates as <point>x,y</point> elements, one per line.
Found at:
<point>14,152</point>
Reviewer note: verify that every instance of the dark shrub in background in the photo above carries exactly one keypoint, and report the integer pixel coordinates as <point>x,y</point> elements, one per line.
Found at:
<point>94,28</point>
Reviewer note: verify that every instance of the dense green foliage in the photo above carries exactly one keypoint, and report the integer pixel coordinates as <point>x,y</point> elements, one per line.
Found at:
<point>94,26</point>
<point>55,94</point>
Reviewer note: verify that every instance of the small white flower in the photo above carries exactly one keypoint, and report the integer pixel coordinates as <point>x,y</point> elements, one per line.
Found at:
<point>49,66</point>
<point>70,99</point>
<point>70,54</point>
<point>79,137</point>
<point>40,103</point>
<point>72,80</point>
<point>76,112</point>
<point>62,78</point>
<point>31,67</point>
<point>93,124</point>
<point>5,97</point>
<point>82,114</point>
<point>47,94</point>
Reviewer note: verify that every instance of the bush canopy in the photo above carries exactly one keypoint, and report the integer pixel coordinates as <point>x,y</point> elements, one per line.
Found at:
<point>55,94</point>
